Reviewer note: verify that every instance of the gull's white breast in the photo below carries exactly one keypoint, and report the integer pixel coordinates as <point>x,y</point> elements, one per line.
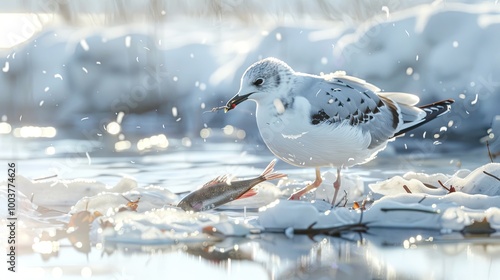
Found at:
<point>294,139</point>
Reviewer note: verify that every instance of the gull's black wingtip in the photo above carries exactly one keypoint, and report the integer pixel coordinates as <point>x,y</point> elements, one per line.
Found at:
<point>432,111</point>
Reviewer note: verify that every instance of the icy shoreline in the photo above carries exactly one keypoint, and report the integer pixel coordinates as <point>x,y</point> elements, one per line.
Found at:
<point>131,214</point>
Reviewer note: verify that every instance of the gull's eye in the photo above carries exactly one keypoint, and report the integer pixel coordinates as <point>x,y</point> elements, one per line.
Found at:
<point>258,82</point>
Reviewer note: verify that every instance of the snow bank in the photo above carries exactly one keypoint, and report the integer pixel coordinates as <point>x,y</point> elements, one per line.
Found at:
<point>128,213</point>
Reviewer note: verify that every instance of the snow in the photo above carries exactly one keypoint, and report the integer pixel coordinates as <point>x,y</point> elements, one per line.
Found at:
<point>430,50</point>
<point>132,214</point>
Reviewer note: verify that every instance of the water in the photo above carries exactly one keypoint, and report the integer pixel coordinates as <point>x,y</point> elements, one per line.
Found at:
<point>377,253</point>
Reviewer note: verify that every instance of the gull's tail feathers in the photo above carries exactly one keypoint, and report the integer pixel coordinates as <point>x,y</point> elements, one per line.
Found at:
<point>414,117</point>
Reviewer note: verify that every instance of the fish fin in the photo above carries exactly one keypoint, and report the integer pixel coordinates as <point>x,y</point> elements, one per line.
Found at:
<point>273,176</point>
<point>249,193</point>
<point>219,179</point>
<point>269,168</point>
<point>268,173</point>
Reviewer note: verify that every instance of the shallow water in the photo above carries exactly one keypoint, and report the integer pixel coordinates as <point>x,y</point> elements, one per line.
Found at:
<point>372,254</point>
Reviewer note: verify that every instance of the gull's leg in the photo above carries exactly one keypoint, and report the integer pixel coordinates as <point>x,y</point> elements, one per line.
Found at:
<point>336,186</point>
<point>296,195</point>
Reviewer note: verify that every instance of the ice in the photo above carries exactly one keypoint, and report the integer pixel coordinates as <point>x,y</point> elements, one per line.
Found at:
<point>130,213</point>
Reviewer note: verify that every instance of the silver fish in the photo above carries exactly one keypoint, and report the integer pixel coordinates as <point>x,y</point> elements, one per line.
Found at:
<point>222,190</point>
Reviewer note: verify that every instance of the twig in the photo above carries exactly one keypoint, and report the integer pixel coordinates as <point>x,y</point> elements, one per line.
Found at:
<point>406,188</point>
<point>489,152</point>
<point>450,190</point>
<point>344,198</point>
<point>45,178</point>
<point>425,196</point>
<point>442,185</point>
<point>409,210</point>
<point>489,174</point>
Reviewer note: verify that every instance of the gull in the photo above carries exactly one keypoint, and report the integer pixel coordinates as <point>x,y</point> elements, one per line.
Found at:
<point>331,120</point>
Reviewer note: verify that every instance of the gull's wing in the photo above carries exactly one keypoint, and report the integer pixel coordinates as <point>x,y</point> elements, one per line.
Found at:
<point>340,99</point>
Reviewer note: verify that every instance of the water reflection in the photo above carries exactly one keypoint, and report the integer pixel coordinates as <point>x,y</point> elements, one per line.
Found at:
<point>377,254</point>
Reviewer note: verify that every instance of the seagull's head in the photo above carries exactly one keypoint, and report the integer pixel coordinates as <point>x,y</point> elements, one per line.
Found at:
<point>267,78</point>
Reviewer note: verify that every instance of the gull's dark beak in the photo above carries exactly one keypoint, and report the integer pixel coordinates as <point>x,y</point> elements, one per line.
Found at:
<point>237,99</point>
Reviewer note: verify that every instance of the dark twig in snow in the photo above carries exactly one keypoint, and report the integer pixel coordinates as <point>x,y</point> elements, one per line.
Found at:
<point>45,178</point>
<point>409,210</point>
<point>489,152</point>
<point>332,231</point>
<point>344,198</point>
<point>450,190</point>
<point>406,188</point>
<point>425,196</point>
<point>489,174</point>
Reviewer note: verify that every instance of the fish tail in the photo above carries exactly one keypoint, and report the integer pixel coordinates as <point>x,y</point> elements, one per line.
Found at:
<point>268,173</point>
<point>273,176</point>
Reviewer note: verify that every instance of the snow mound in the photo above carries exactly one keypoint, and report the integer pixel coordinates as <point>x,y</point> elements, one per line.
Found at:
<point>466,202</point>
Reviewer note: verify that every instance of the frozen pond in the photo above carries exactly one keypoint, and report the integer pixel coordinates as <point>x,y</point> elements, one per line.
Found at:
<point>361,253</point>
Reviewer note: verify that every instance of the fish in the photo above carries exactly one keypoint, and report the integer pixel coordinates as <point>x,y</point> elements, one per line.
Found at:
<point>223,189</point>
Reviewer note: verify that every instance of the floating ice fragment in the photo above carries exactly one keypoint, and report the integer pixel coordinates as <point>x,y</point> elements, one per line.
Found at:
<point>174,111</point>
<point>119,117</point>
<point>85,70</point>
<point>386,10</point>
<point>84,45</point>
<point>128,39</point>
<point>473,102</point>
<point>455,44</point>
<point>41,103</point>
<point>58,76</point>
<point>5,69</point>
<point>46,89</point>
<point>88,158</point>
<point>409,71</point>
<point>278,36</point>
